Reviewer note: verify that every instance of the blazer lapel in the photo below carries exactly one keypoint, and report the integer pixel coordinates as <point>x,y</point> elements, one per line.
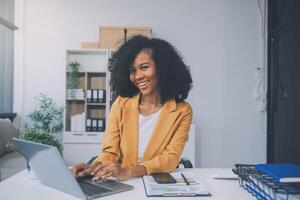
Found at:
<point>166,120</point>
<point>130,128</point>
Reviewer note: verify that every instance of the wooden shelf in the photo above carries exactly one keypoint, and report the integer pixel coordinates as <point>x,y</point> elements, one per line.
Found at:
<point>75,99</point>
<point>96,104</point>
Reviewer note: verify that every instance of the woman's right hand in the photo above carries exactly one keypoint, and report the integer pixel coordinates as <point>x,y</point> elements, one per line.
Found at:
<point>82,169</point>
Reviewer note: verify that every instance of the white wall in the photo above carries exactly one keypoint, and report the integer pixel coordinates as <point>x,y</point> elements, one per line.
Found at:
<point>220,40</point>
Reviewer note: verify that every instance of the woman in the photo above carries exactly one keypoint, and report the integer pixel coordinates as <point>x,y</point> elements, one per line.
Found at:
<point>149,121</point>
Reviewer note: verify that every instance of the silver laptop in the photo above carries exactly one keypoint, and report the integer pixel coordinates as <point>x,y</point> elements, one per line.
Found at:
<point>51,170</point>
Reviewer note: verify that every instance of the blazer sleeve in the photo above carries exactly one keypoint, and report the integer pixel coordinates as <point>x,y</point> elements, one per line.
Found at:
<point>111,141</point>
<point>168,160</point>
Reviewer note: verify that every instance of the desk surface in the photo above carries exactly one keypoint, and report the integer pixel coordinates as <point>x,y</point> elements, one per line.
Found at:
<point>20,186</point>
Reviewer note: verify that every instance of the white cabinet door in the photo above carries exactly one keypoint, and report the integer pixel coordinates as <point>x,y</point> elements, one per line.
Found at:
<point>81,146</point>
<point>80,152</point>
<point>74,153</point>
<point>94,137</point>
<point>92,150</point>
<point>92,146</point>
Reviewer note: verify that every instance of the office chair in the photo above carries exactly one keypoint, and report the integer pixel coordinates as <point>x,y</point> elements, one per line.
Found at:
<point>185,162</point>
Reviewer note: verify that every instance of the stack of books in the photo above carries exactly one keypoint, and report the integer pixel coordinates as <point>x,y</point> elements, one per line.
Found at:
<point>78,122</point>
<point>270,181</point>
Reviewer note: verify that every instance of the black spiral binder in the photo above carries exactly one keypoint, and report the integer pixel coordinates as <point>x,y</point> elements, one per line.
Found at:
<point>264,187</point>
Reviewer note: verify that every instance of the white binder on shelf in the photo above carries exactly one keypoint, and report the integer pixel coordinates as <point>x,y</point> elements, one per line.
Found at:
<point>89,96</point>
<point>94,96</point>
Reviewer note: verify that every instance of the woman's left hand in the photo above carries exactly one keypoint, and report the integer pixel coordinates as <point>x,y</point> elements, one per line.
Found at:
<point>106,170</point>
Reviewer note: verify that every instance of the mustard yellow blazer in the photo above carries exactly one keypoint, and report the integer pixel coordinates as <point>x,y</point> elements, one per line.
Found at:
<point>120,143</point>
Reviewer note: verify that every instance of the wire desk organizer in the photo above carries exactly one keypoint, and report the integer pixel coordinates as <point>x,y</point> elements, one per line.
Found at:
<point>264,187</point>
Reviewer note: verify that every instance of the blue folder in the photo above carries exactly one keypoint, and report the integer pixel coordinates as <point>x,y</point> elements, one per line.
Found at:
<point>281,172</point>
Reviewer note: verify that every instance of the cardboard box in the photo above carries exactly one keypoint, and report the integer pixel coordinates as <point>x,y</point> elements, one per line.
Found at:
<point>90,45</point>
<point>111,37</point>
<point>145,31</point>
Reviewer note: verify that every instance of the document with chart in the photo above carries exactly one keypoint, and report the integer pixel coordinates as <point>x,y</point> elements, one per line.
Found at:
<point>187,186</point>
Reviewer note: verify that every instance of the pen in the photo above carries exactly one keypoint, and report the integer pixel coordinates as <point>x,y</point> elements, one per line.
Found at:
<point>185,180</point>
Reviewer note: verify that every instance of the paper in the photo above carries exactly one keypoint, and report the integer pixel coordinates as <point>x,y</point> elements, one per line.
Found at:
<point>195,188</point>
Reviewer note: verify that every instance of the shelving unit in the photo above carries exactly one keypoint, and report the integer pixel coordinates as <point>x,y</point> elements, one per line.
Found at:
<point>82,140</point>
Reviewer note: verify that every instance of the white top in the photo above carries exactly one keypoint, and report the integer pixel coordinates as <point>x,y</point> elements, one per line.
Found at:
<point>146,127</point>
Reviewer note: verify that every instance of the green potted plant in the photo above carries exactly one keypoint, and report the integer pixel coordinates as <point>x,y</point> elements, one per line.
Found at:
<point>44,124</point>
<point>39,136</point>
<point>47,115</point>
<point>72,78</point>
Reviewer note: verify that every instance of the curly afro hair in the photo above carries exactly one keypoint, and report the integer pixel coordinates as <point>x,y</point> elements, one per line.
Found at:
<point>174,78</point>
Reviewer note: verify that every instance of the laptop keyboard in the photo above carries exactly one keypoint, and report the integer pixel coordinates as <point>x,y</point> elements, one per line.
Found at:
<point>92,191</point>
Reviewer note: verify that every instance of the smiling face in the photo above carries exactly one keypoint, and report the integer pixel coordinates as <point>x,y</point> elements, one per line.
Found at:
<point>143,74</point>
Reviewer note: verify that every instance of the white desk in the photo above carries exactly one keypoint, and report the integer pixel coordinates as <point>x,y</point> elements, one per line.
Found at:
<point>20,187</point>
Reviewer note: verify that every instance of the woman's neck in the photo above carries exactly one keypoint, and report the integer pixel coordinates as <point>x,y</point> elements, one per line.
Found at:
<point>149,104</point>
<point>153,100</point>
